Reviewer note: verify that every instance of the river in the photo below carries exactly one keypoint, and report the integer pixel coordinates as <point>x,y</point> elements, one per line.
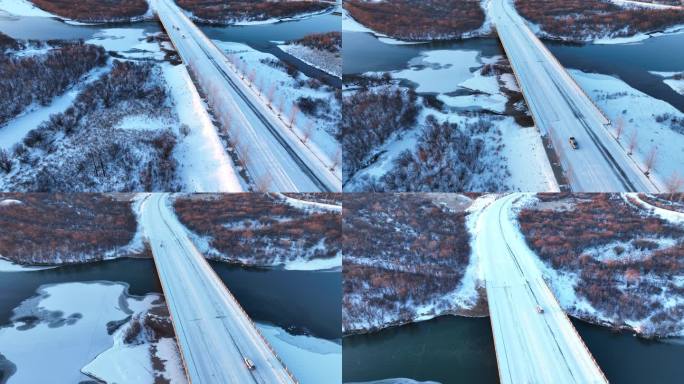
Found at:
<point>364,53</point>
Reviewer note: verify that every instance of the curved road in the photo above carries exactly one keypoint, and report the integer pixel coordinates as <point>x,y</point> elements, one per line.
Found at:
<point>213,332</point>
<point>531,347</point>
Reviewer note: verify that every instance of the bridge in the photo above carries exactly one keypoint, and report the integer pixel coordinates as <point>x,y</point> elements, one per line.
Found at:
<point>217,339</point>
<point>561,110</point>
<point>535,341</point>
<point>276,158</point>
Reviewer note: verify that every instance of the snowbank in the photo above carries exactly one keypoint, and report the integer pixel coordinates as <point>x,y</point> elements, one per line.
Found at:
<point>324,60</point>
<point>204,165</point>
<point>638,112</point>
<point>9,266</point>
<point>312,360</point>
<point>309,205</point>
<point>303,264</point>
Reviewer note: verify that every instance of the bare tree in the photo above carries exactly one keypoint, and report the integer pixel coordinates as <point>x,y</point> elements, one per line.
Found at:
<point>337,160</point>
<point>281,106</point>
<point>292,119</point>
<point>263,184</point>
<point>270,95</point>
<point>251,77</point>
<point>675,183</point>
<point>651,159</point>
<point>308,131</point>
<point>633,141</point>
<point>619,127</point>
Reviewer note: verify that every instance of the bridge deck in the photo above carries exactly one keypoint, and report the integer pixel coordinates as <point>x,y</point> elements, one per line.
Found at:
<point>531,347</point>
<point>561,109</point>
<point>214,333</point>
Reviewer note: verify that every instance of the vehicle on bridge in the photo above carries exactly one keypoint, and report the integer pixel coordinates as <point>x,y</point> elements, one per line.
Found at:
<point>540,309</point>
<point>249,364</point>
<point>573,142</point>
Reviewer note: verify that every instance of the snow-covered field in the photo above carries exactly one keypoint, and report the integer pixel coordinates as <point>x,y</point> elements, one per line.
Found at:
<point>64,327</point>
<point>637,111</point>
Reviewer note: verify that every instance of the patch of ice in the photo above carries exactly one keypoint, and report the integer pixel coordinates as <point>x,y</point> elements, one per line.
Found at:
<point>311,359</point>
<point>64,327</point>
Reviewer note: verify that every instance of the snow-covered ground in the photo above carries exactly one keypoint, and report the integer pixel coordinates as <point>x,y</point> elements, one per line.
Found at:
<point>456,77</point>
<point>203,162</point>
<point>290,89</point>
<point>637,111</point>
<point>310,205</point>
<point>312,360</point>
<point>64,327</point>
<point>324,60</point>
<point>669,79</point>
<point>23,8</point>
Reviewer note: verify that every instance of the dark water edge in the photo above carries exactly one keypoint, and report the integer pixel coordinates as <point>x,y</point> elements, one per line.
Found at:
<point>302,302</point>
<point>628,359</point>
<point>362,52</point>
<point>446,349</point>
<point>453,349</point>
<point>265,38</point>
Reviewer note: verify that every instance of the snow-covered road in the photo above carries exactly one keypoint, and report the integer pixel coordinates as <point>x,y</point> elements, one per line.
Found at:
<point>214,333</point>
<point>275,157</point>
<point>531,347</point>
<point>562,110</point>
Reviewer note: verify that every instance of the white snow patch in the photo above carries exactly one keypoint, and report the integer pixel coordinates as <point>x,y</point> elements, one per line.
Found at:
<point>309,205</point>
<point>304,264</point>
<point>440,71</point>
<point>10,266</point>
<point>23,8</point>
